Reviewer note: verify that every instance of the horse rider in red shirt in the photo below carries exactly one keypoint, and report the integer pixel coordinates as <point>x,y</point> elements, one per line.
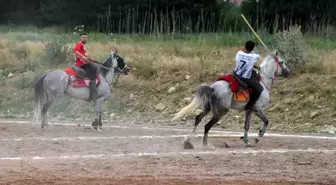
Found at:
<point>85,63</point>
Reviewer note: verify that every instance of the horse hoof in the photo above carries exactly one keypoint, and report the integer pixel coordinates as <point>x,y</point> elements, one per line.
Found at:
<point>97,128</point>
<point>248,144</point>
<point>261,133</point>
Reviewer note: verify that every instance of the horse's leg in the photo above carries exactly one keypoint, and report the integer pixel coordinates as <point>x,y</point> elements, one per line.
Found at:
<point>248,114</point>
<point>220,105</point>
<point>97,124</point>
<point>261,114</point>
<point>44,113</point>
<point>187,144</point>
<point>199,117</point>
<point>215,118</point>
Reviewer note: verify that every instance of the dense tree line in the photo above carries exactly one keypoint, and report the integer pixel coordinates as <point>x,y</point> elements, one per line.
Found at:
<point>280,14</point>
<point>162,16</point>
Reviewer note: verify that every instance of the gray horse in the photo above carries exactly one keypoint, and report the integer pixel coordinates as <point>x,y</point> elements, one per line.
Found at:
<point>219,99</point>
<point>58,82</point>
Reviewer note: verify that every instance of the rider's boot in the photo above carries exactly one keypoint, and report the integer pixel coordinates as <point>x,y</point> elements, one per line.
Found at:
<point>253,99</point>
<point>249,104</point>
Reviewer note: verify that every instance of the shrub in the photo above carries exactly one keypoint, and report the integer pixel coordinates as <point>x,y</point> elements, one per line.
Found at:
<point>27,79</point>
<point>299,55</point>
<point>56,51</point>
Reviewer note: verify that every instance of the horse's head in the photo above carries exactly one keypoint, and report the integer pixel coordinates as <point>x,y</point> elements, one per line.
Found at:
<point>116,62</point>
<point>275,65</point>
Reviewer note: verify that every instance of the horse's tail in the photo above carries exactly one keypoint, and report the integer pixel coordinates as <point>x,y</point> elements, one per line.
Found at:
<point>203,96</point>
<point>39,98</point>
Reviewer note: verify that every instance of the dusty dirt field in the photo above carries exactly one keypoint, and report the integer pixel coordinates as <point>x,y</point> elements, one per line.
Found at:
<point>152,154</point>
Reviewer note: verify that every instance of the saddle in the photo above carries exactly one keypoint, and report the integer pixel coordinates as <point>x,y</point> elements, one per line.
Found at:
<point>242,85</point>
<point>240,89</point>
<point>80,73</point>
<point>78,77</point>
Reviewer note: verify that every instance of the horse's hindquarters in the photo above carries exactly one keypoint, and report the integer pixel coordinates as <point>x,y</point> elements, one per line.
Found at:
<point>222,91</point>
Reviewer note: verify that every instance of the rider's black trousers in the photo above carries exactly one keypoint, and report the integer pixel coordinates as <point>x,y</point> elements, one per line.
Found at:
<point>90,70</point>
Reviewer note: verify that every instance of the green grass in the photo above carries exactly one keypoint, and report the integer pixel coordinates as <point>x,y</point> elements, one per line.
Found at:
<point>211,39</point>
<point>322,43</point>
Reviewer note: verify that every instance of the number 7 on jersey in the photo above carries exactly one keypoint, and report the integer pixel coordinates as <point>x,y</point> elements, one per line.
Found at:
<point>243,64</point>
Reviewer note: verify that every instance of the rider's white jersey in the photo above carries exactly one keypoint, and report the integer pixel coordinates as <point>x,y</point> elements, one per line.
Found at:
<point>245,63</point>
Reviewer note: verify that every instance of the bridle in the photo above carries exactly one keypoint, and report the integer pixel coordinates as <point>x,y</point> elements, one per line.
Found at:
<point>116,69</point>
<point>276,72</point>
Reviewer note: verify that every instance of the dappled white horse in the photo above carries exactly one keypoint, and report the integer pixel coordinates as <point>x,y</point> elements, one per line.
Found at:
<point>225,94</point>
<point>59,82</point>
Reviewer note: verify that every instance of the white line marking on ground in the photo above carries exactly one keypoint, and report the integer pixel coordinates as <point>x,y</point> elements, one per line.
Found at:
<point>171,154</point>
<point>238,134</point>
<point>12,158</point>
<point>77,138</point>
<point>112,137</point>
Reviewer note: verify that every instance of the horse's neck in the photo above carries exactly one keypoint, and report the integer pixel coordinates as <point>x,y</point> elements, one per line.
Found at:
<point>267,76</point>
<point>266,82</point>
<point>109,75</point>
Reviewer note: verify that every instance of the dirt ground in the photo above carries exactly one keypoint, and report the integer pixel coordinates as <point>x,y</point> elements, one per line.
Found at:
<point>152,154</point>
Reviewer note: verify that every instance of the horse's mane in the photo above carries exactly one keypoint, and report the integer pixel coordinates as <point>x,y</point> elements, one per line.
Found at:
<point>106,64</point>
<point>268,55</point>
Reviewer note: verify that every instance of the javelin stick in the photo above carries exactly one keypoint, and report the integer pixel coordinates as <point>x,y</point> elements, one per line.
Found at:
<point>254,31</point>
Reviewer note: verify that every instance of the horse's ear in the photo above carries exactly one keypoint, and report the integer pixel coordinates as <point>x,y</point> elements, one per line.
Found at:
<point>276,53</point>
<point>114,51</point>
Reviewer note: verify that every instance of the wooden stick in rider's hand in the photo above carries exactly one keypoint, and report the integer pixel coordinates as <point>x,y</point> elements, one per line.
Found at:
<point>254,32</point>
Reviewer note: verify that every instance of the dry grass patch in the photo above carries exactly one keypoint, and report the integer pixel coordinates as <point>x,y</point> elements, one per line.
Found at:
<point>21,56</point>
<point>329,62</point>
<point>7,59</point>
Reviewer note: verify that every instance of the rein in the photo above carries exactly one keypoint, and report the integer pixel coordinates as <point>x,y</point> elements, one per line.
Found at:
<point>99,64</point>
<point>116,70</point>
<point>276,71</point>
